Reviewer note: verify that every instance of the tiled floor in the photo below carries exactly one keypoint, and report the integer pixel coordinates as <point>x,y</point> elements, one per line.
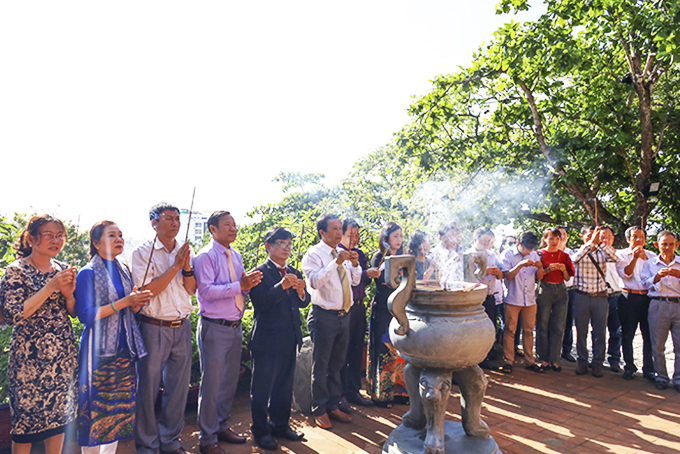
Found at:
<point>527,412</point>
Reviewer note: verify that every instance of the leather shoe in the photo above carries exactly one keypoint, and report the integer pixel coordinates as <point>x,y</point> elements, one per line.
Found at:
<point>338,415</point>
<point>323,421</point>
<point>597,371</point>
<point>229,436</point>
<point>211,449</point>
<point>288,434</point>
<point>358,399</point>
<point>661,385</point>
<point>628,374</point>
<point>267,442</point>
<point>581,369</point>
<point>615,367</point>
<point>179,450</point>
<point>651,376</point>
<point>568,357</point>
<point>344,406</point>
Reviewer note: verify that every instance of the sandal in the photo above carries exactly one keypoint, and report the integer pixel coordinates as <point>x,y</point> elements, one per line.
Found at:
<point>556,367</point>
<point>535,368</point>
<point>506,368</point>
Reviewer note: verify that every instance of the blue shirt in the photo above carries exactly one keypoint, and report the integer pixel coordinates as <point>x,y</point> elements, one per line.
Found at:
<point>215,289</point>
<point>521,289</point>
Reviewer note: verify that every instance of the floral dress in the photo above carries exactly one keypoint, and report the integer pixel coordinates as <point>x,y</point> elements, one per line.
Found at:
<point>43,354</point>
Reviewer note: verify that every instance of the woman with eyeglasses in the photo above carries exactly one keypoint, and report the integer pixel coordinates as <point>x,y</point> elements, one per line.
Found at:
<point>110,345</point>
<point>36,296</point>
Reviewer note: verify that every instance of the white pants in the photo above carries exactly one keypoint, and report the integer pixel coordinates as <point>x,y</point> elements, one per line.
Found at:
<point>109,448</point>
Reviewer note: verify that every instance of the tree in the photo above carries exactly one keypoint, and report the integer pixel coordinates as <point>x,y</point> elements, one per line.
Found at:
<point>582,100</point>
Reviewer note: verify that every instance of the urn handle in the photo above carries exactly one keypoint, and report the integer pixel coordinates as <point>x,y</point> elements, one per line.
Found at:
<point>398,300</point>
<point>474,266</point>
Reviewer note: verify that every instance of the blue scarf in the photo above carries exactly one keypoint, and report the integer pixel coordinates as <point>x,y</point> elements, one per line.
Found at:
<point>107,329</point>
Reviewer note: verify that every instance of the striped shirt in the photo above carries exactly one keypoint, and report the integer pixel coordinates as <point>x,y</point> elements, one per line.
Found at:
<point>587,278</point>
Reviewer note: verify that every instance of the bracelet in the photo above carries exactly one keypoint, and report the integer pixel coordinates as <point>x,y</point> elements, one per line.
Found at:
<point>114,307</point>
<point>188,273</point>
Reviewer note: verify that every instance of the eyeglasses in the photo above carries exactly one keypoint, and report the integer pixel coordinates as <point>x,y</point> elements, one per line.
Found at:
<point>283,245</point>
<point>49,236</point>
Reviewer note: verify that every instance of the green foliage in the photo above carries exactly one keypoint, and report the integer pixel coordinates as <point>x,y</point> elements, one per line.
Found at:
<point>544,104</point>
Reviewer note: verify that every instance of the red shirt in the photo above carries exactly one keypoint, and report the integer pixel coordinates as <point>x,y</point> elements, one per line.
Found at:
<point>556,277</point>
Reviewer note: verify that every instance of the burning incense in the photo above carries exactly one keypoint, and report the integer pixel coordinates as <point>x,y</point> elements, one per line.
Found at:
<point>596,223</point>
<point>257,249</point>
<point>299,255</point>
<point>153,246</point>
<point>75,243</point>
<point>191,210</point>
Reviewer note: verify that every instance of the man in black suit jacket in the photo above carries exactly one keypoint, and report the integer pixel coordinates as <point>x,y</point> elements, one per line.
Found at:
<point>275,339</point>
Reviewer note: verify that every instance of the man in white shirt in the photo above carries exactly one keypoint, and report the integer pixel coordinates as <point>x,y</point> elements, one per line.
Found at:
<point>330,275</point>
<point>661,276</point>
<point>164,268</point>
<point>634,303</point>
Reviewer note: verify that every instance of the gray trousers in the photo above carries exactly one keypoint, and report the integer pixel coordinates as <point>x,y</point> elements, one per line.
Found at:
<point>330,336</point>
<point>169,359</point>
<point>590,310</point>
<point>551,315</point>
<point>220,350</point>
<point>664,317</point>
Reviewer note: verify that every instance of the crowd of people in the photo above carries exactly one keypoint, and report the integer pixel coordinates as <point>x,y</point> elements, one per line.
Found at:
<point>137,332</point>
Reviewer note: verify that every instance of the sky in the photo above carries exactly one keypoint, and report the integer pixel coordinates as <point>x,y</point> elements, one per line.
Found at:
<point>107,108</point>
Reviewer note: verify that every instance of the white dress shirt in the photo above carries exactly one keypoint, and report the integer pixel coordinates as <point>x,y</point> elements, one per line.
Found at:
<point>174,302</point>
<point>668,286</point>
<point>633,281</point>
<point>323,279</point>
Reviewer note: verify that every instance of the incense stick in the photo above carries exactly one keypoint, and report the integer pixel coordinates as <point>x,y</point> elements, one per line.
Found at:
<point>191,210</point>
<point>75,243</point>
<point>153,246</point>
<point>257,249</point>
<point>596,223</point>
<point>299,257</point>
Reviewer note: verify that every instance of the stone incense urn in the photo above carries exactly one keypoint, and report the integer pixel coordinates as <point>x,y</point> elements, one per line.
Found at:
<point>441,334</point>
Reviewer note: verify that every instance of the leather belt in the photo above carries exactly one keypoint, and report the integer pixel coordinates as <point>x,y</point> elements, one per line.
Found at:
<point>636,292</point>
<point>594,294</point>
<point>157,322</point>
<point>668,299</point>
<point>340,313</point>
<point>223,322</point>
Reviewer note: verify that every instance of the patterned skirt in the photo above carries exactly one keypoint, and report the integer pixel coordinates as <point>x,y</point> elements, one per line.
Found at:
<point>385,368</point>
<point>107,402</point>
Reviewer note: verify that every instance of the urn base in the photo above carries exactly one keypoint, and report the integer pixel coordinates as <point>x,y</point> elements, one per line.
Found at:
<point>404,440</point>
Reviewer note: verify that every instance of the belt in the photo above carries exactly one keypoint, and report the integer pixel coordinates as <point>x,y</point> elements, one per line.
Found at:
<point>594,294</point>
<point>670,300</point>
<point>636,292</point>
<point>157,322</point>
<point>223,322</point>
<point>340,313</point>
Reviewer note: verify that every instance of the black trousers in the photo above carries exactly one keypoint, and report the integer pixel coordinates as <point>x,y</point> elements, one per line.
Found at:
<point>633,310</point>
<point>271,390</point>
<point>352,372</point>
<point>491,312</point>
<point>330,335</point>
<point>568,340</point>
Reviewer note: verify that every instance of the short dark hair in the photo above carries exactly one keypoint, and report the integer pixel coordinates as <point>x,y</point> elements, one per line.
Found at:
<point>505,244</point>
<point>565,228</point>
<point>479,231</point>
<point>587,228</point>
<point>96,233</point>
<point>349,223</point>
<point>665,233</point>
<point>277,233</point>
<point>631,229</point>
<point>417,239</point>
<point>607,227</point>
<point>156,210</point>
<point>387,230</point>
<point>214,218</point>
<point>322,222</point>
<point>528,239</point>
<point>32,229</point>
<point>444,229</point>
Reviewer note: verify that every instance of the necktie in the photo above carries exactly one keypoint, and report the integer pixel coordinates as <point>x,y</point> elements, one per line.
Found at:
<point>346,289</point>
<point>240,302</point>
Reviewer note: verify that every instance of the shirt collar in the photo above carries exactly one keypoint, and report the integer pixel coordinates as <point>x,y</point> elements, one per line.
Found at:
<point>276,265</point>
<point>218,247</point>
<point>325,247</point>
<point>657,260</point>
